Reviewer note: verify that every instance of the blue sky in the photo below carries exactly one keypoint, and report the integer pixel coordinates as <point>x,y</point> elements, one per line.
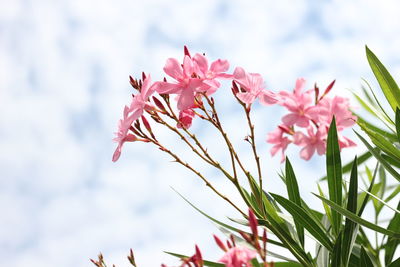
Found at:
<point>63,82</point>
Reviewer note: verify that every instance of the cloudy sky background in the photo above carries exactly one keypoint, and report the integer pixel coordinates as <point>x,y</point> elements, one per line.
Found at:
<point>64,68</point>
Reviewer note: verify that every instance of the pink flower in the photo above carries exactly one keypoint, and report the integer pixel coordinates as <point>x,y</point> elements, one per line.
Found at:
<point>185,118</point>
<point>280,143</point>
<point>209,75</point>
<point>140,101</point>
<point>122,135</point>
<point>338,107</point>
<point>131,114</point>
<point>187,82</point>
<point>299,103</point>
<point>314,141</point>
<point>253,84</point>
<point>237,256</point>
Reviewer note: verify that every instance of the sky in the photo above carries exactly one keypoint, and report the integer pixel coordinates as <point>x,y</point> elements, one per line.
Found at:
<point>64,72</point>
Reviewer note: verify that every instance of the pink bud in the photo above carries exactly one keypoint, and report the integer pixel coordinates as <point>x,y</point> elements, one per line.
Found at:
<point>186,51</point>
<point>220,243</point>
<point>253,223</point>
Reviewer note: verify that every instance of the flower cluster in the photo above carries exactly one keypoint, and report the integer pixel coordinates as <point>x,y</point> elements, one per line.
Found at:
<point>307,123</point>
<point>234,255</point>
<point>195,79</point>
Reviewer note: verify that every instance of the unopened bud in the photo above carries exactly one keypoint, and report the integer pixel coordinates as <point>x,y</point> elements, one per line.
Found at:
<point>186,51</point>
<point>158,103</point>
<point>220,243</point>
<point>235,88</point>
<point>143,76</point>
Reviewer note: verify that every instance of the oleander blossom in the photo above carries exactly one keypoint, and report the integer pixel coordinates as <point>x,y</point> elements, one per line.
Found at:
<point>191,78</point>
<point>238,256</point>
<point>308,121</point>
<point>138,105</point>
<point>254,87</point>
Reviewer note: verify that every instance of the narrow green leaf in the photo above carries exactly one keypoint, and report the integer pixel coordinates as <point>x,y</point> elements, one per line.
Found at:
<point>350,227</point>
<point>365,260</point>
<point>347,168</point>
<point>359,220</point>
<point>385,80</point>
<point>384,113</point>
<point>206,263</point>
<point>294,195</point>
<point>336,254</point>
<point>366,198</point>
<point>392,244</point>
<point>326,207</point>
<point>377,155</point>
<point>398,124</point>
<point>301,216</point>
<point>334,174</point>
<point>389,135</point>
<point>287,264</point>
<point>381,142</point>
<point>284,235</point>
<point>254,262</point>
<point>396,263</point>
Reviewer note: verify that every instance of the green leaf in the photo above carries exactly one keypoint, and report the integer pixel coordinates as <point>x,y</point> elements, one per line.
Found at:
<point>347,168</point>
<point>398,124</point>
<point>294,195</point>
<point>392,244</point>
<point>377,155</point>
<point>365,260</point>
<point>389,135</point>
<point>396,263</point>
<point>301,216</point>
<point>336,254</point>
<point>287,264</point>
<point>334,174</point>
<point>385,80</point>
<point>366,198</point>
<point>350,228</point>
<point>284,235</point>
<point>381,142</point>
<point>359,220</point>
<point>206,263</point>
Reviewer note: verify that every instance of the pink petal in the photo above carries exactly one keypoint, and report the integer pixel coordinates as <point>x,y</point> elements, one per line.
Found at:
<point>299,86</point>
<point>267,97</point>
<point>290,119</point>
<point>173,68</point>
<point>186,99</point>
<point>188,66</point>
<point>117,153</point>
<point>307,152</point>
<point>219,66</point>
<point>247,98</point>
<point>201,62</point>
<point>167,88</point>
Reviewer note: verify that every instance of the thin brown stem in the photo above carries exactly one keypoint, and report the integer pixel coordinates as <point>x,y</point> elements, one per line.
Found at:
<point>188,166</point>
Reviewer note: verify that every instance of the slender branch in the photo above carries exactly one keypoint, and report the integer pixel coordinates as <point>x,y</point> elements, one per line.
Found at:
<point>185,164</point>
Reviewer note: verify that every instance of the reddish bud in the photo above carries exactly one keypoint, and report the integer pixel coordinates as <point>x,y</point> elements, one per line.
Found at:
<point>131,258</point>
<point>228,244</point>
<point>328,89</point>
<point>143,76</point>
<point>246,237</point>
<point>158,103</point>
<point>253,223</point>
<point>220,243</point>
<point>235,88</point>
<point>146,124</point>
<point>233,240</point>
<point>199,258</point>
<point>186,51</point>
<point>316,92</point>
